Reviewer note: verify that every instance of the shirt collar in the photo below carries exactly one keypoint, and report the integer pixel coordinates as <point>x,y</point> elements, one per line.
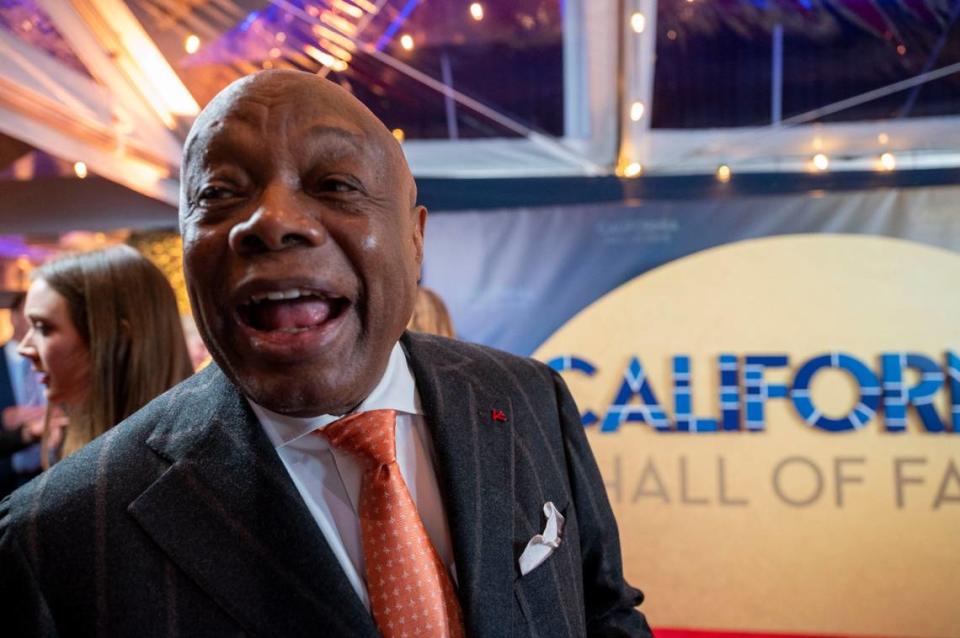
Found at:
<point>396,390</point>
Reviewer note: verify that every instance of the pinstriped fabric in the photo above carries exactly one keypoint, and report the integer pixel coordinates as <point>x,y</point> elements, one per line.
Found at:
<point>33,534</point>
<point>203,533</point>
<point>100,538</point>
<point>476,468</point>
<point>35,616</point>
<point>580,589</point>
<point>569,568</point>
<point>170,600</point>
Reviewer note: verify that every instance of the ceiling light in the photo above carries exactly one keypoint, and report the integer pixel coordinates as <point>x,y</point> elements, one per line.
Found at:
<point>633,169</point>
<point>191,44</point>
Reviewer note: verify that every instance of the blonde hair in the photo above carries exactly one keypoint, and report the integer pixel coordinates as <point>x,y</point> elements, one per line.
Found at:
<point>430,314</point>
<point>125,311</point>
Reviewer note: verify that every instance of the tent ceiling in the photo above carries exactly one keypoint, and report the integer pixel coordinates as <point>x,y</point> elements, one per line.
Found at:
<point>534,88</point>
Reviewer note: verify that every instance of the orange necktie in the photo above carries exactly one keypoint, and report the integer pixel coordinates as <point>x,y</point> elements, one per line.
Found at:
<point>410,591</point>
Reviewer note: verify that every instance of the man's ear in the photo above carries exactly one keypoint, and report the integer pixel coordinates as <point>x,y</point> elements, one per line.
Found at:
<point>419,225</point>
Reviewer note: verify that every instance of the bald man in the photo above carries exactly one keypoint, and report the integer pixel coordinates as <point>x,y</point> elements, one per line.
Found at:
<point>329,474</point>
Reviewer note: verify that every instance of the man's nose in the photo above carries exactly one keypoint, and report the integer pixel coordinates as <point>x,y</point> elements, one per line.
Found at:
<point>280,222</point>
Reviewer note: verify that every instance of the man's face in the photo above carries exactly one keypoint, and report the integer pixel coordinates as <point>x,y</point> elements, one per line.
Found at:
<point>301,239</point>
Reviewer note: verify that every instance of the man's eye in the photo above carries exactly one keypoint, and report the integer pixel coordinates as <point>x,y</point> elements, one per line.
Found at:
<point>336,186</point>
<point>41,328</point>
<point>212,193</point>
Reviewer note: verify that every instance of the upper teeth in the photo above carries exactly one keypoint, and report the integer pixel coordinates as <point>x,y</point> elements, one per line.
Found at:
<point>277,295</point>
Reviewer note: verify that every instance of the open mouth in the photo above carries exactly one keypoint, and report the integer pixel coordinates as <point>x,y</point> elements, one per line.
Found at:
<point>290,311</point>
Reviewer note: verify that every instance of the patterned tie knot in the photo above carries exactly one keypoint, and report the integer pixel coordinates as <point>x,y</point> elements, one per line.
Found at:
<point>369,435</point>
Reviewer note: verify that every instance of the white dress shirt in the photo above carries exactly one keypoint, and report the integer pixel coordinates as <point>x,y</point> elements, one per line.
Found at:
<point>329,479</point>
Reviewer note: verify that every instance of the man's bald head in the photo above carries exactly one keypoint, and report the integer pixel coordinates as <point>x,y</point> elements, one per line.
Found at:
<point>273,86</point>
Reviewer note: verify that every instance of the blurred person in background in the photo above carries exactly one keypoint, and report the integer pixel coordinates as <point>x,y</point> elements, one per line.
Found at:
<point>22,404</point>
<point>199,355</point>
<point>430,314</point>
<point>106,338</point>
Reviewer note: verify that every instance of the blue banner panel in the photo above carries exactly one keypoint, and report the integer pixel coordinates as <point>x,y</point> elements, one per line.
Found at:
<point>511,277</point>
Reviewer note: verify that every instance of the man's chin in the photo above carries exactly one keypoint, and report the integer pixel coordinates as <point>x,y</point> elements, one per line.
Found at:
<point>332,381</point>
<point>295,396</point>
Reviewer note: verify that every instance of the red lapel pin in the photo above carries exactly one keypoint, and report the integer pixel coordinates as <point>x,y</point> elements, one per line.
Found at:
<point>498,415</point>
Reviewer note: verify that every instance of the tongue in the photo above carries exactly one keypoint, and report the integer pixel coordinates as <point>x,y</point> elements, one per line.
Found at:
<point>305,312</point>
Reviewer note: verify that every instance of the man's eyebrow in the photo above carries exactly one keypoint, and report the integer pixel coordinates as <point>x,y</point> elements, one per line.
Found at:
<point>217,130</point>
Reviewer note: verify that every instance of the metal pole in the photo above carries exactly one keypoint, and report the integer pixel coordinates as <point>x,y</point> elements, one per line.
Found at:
<point>449,103</point>
<point>621,79</point>
<point>776,77</point>
<point>931,60</point>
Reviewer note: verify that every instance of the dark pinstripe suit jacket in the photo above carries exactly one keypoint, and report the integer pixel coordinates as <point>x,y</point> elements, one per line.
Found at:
<point>182,521</point>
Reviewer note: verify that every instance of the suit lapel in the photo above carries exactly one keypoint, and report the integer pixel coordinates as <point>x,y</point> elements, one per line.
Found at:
<point>228,515</point>
<point>472,429</point>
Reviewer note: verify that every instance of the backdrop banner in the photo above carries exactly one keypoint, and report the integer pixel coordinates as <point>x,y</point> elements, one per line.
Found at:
<point>513,277</point>
<point>777,417</point>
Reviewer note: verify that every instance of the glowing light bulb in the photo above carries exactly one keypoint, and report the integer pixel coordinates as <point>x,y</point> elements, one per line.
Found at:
<point>723,173</point>
<point>638,22</point>
<point>80,169</point>
<point>191,44</point>
<point>325,58</point>
<point>636,111</point>
<point>476,11</point>
<point>399,135</point>
<point>633,169</point>
<point>821,162</point>
<point>406,41</point>
<point>883,138</point>
<point>888,162</point>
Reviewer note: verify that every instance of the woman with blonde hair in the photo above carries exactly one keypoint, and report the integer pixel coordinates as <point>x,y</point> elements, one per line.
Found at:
<point>430,314</point>
<point>106,337</point>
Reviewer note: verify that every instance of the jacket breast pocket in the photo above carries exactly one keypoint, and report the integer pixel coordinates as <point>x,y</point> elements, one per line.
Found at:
<point>549,597</point>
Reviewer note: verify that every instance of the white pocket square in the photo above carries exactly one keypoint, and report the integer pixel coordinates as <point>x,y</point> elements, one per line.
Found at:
<point>542,545</point>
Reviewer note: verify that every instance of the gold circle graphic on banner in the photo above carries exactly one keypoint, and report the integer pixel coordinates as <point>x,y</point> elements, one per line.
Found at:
<point>792,528</point>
